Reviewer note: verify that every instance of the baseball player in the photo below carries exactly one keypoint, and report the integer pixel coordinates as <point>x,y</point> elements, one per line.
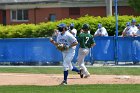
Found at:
<point>127,31</point>
<point>138,32</point>
<point>133,26</point>
<point>86,42</point>
<point>69,42</point>
<point>81,31</point>
<point>72,30</point>
<point>101,31</point>
<point>131,29</point>
<point>135,29</point>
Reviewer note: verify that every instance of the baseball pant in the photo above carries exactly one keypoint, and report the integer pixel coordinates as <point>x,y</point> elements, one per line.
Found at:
<point>67,58</point>
<point>82,53</point>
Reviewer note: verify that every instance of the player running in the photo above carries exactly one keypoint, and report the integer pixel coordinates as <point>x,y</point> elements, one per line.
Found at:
<point>69,42</point>
<point>86,42</point>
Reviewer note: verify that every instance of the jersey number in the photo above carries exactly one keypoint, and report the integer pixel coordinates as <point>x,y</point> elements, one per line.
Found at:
<point>87,38</point>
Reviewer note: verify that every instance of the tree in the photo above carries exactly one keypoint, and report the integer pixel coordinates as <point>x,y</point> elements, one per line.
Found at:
<point>135,4</point>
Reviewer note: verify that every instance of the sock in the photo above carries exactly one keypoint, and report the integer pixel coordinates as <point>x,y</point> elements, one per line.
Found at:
<point>75,69</point>
<point>65,75</point>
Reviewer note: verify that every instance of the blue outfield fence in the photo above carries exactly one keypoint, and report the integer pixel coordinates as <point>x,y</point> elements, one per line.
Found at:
<point>41,50</point>
<point>104,49</point>
<point>129,49</point>
<point>28,50</point>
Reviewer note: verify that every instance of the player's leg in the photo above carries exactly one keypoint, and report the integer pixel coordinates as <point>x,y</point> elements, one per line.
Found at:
<point>81,56</point>
<point>66,68</point>
<point>68,59</point>
<point>80,61</point>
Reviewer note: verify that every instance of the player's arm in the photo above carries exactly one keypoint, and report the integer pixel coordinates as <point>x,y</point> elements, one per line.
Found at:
<point>97,33</point>
<point>60,47</point>
<point>53,42</point>
<point>74,44</point>
<point>92,42</point>
<point>124,33</point>
<point>92,45</point>
<point>134,34</point>
<point>72,32</point>
<point>55,33</point>
<point>73,41</point>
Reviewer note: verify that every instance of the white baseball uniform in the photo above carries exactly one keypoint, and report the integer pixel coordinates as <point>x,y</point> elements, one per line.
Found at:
<point>130,30</point>
<point>135,29</point>
<point>74,32</point>
<point>67,39</point>
<point>101,32</point>
<point>138,33</point>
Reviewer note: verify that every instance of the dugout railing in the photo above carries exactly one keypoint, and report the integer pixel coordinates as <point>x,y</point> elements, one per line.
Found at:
<point>41,50</point>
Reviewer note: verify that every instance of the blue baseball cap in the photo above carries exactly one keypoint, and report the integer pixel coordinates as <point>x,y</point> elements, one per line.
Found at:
<point>62,25</point>
<point>133,20</point>
<point>99,25</point>
<point>128,24</point>
<point>71,25</point>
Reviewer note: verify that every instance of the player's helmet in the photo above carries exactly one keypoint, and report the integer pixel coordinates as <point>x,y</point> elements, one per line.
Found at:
<point>71,26</point>
<point>61,26</point>
<point>85,26</point>
<point>99,25</point>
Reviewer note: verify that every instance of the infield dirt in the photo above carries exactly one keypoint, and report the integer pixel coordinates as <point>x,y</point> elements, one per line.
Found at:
<point>55,79</point>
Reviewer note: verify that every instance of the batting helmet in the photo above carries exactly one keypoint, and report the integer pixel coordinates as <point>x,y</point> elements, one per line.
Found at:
<point>61,26</point>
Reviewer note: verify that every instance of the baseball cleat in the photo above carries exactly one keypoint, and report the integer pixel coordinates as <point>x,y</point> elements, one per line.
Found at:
<point>86,76</point>
<point>81,73</point>
<point>64,82</point>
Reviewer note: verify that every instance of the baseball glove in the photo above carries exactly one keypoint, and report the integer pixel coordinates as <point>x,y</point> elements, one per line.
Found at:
<point>62,47</point>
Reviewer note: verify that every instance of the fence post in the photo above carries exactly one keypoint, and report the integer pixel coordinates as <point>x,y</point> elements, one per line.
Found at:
<point>116,36</point>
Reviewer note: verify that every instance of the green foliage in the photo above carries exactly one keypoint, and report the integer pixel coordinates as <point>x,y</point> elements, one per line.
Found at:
<point>3,32</point>
<point>46,29</point>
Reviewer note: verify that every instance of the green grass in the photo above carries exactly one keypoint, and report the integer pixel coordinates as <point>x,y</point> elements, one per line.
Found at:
<point>95,88</point>
<point>105,88</point>
<point>59,70</point>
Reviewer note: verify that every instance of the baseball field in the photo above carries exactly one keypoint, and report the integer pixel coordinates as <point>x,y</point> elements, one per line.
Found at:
<point>47,80</point>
